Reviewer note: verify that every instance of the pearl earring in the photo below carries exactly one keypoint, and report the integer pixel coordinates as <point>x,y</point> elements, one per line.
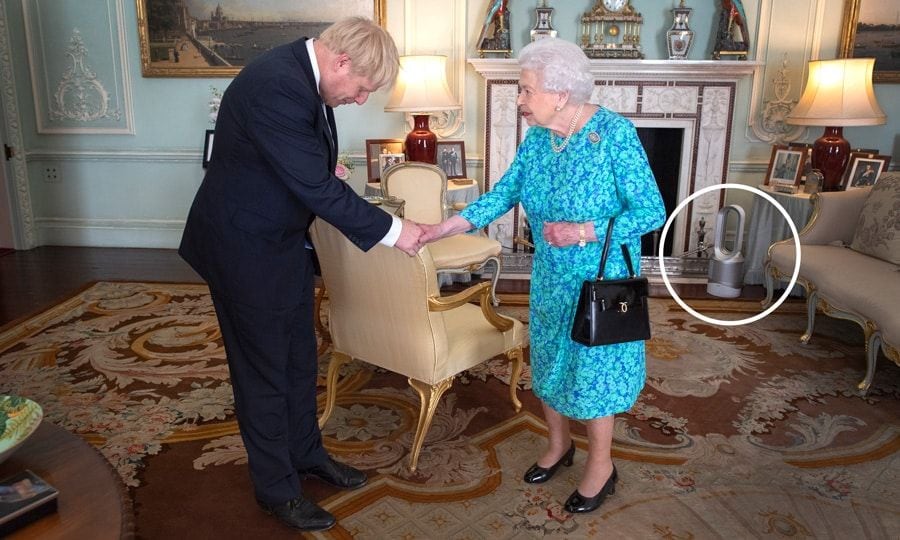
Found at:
<point>558,108</point>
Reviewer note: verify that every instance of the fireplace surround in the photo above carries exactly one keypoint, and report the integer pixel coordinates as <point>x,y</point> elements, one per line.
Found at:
<point>696,96</point>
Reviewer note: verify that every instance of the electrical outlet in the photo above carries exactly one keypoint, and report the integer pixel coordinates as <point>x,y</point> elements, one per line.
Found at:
<point>51,175</point>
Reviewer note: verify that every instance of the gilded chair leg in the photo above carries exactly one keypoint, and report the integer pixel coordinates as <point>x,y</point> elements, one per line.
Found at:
<point>770,286</point>
<point>320,328</point>
<point>812,300</point>
<point>338,359</point>
<point>494,280</point>
<point>516,357</point>
<point>429,395</point>
<point>873,344</point>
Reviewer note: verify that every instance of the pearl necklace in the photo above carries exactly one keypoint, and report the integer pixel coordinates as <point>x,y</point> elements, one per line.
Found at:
<point>562,146</point>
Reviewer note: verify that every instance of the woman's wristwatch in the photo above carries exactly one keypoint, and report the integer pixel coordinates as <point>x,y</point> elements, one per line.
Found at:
<point>582,236</point>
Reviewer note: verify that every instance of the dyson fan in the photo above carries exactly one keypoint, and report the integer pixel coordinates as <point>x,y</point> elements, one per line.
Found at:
<point>726,268</point>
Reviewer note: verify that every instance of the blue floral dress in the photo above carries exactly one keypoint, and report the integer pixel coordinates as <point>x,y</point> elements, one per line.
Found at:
<point>602,173</point>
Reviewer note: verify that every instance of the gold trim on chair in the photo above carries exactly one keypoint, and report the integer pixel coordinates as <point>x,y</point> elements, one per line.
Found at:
<point>429,395</point>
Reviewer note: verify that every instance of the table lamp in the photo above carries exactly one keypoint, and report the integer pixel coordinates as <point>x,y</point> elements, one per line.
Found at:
<point>421,89</point>
<point>838,93</point>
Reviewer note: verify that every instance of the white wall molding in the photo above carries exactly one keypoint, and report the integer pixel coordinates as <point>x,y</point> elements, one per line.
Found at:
<point>777,87</point>
<point>131,156</point>
<point>75,100</point>
<point>110,232</point>
<point>447,38</point>
<point>23,218</point>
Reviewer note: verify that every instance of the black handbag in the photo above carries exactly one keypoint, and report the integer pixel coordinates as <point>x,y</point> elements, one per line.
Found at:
<point>612,310</point>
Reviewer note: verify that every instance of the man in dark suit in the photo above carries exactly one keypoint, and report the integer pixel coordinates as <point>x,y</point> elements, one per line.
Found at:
<point>271,174</point>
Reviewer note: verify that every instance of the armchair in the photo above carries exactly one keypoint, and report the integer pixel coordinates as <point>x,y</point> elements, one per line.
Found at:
<point>385,308</point>
<point>423,187</point>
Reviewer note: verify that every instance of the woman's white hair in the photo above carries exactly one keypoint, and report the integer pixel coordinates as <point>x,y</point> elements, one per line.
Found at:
<point>561,66</point>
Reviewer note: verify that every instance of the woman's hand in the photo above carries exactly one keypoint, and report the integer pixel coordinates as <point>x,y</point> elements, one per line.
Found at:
<point>566,233</point>
<point>448,227</point>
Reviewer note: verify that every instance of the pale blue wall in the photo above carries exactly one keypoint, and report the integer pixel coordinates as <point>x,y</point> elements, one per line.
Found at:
<point>135,190</point>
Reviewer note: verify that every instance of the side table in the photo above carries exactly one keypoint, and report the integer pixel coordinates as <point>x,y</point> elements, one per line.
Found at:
<point>768,226</point>
<point>92,503</point>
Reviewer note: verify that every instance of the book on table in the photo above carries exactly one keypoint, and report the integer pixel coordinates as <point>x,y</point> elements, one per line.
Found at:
<point>24,498</point>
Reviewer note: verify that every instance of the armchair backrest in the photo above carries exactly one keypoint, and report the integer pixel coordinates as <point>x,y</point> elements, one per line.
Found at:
<point>422,186</point>
<point>378,305</point>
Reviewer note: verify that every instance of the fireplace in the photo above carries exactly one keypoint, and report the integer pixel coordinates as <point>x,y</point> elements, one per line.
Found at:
<point>691,101</point>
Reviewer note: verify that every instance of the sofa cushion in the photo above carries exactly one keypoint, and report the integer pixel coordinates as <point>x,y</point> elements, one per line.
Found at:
<point>878,229</point>
<point>850,281</point>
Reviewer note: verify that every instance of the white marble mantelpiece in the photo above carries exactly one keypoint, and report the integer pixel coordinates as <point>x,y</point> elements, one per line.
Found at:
<point>699,70</point>
<point>696,96</point>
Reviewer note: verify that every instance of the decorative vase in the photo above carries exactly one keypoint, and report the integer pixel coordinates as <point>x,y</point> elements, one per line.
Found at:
<point>542,27</point>
<point>680,37</point>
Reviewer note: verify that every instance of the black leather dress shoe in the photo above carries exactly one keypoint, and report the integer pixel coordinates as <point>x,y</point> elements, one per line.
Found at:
<point>300,514</point>
<point>337,474</point>
<point>538,475</point>
<point>579,504</point>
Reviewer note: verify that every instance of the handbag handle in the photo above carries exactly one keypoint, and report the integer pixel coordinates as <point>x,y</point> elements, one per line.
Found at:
<point>625,253</point>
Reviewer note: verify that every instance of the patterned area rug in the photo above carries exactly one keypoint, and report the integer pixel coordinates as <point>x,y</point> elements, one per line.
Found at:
<point>740,431</point>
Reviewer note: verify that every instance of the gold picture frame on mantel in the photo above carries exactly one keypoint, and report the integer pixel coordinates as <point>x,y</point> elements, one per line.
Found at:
<point>179,38</point>
<point>869,30</point>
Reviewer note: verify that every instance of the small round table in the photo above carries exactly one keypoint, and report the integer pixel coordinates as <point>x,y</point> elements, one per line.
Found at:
<point>93,502</point>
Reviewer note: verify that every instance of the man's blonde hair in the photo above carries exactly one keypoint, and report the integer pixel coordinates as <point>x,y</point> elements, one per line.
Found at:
<point>371,49</point>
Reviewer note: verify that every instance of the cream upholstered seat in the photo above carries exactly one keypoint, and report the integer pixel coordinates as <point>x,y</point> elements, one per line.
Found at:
<point>850,265</point>
<point>385,308</point>
<point>423,188</point>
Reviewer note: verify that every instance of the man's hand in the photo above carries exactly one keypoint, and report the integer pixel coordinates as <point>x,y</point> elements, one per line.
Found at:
<point>410,238</point>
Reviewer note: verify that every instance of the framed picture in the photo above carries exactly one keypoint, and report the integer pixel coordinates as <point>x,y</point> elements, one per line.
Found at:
<point>207,147</point>
<point>376,147</point>
<point>386,161</point>
<point>451,158</point>
<point>864,169</point>
<point>785,165</point>
<point>807,164</point>
<point>198,38</point>
<point>870,30</point>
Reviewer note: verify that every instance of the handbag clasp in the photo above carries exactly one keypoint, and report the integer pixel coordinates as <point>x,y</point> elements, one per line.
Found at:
<point>623,307</point>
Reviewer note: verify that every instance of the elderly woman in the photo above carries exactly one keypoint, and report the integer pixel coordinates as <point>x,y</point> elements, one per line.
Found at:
<point>579,166</point>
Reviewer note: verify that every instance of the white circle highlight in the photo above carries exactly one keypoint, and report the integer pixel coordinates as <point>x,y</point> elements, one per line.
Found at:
<point>758,316</point>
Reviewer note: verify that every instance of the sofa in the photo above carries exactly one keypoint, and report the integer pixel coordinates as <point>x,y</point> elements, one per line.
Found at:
<point>850,265</point>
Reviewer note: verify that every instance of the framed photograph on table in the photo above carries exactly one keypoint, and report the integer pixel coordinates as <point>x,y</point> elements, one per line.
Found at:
<point>807,164</point>
<point>451,158</point>
<point>864,169</point>
<point>374,149</point>
<point>869,25</point>
<point>386,161</point>
<point>207,147</point>
<point>785,166</point>
<point>210,39</point>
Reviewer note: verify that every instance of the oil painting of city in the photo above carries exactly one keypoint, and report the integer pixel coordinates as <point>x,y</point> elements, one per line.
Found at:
<point>212,38</point>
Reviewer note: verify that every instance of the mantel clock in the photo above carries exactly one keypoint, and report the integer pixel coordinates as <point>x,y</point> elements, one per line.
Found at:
<point>612,29</point>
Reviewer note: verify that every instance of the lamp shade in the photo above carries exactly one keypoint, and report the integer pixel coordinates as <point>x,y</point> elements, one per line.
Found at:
<point>421,86</point>
<point>838,93</point>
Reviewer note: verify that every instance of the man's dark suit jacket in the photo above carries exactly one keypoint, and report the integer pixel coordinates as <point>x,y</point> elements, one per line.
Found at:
<point>271,174</point>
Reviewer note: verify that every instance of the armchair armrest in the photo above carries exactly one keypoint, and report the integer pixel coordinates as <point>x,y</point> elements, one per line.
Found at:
<point>834,216</point>
<point>481,290</point>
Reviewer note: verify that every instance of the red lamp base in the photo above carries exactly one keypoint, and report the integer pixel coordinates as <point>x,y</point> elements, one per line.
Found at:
<point>421,143</point>
<point>830,154</point>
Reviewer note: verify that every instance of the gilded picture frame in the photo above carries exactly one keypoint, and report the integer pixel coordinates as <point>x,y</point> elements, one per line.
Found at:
<point>869,31</point>
<point>178,38</point>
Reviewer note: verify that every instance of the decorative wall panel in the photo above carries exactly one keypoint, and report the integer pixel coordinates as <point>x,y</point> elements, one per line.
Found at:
<point>79,71</point>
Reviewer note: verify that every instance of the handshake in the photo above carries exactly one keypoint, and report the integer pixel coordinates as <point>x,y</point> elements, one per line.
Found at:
<point>415,235</point>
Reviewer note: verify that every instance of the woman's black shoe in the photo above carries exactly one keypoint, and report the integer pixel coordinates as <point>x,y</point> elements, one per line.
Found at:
<point>579,504</point>
<point>538,475</point>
